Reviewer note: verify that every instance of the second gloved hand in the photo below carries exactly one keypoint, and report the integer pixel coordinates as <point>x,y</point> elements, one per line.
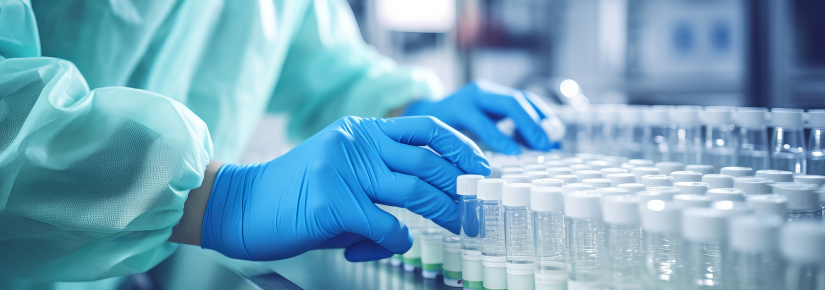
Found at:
<point>323,192</point>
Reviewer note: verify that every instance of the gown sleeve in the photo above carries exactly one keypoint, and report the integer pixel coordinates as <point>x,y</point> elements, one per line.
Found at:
<point>91,182</point>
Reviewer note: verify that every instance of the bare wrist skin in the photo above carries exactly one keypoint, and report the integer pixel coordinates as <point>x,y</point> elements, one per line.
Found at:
<point>188,230</point>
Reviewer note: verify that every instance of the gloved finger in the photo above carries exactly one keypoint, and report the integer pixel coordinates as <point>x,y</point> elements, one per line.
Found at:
<point>380,227</point>
<point>412,193</point>
<point>550,123</point>
<point>446,141</point>
<point>523,114</point>
<point>342,240</point>
<point>487,131</point>
<point>422,163</point>
<point>366,251</point>
<point>537,103</point>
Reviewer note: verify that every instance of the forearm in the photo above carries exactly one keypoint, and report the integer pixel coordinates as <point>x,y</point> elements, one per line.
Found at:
<point>188,230</point>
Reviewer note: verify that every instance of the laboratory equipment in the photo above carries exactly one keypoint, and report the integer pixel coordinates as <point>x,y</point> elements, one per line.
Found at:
<point>469,208</point>
<point>571,187</point>
<point>642,171</point>
<point>588,174</point>
<point>516,178</point>
<point>452,258</point>
<point>705,234</point>
<point>752,138</point>
<point>633,188</point>
<point>720,194</point>
<point>691,200</point>
<point>720,146</point>
<point>803,247</point>
<point>585,239</point>
<point>597,182</point>
<point>621,178</point>
<point>816,148</point>
<point>568,179</point>
<point>685,136</point>
<point>753,185</point>
<point>518,232</point>
<point>701,168</point>
<point>661,222</point>
<point>666,168</point>
<point>412,258</point>
<point>656,132</point>
<point>686,176</point>
<point>769,204</point>
<point>754,244</point>
<point>697,188</point>
<point>547,182</point>
<point>787,144</point>
<point>657,181</point>
<point>718,180</point>
<point>547,205</point>
<point>737,171</point>
<point>775,175</point>
<point>493,252</point>
<point>432,250</point>
<point>803,200</point>
<point>624,256</point>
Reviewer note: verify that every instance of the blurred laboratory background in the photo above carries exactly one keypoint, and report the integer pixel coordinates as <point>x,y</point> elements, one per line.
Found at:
<point>754,53</point>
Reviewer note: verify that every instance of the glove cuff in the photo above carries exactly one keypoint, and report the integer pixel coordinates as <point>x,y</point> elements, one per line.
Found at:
<point>222,228</point>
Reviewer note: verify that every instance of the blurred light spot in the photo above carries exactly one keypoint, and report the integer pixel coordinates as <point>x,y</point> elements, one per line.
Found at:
<point>720,142</point>
<point>569,88</point>
<point>724,205</point>
<point>656,205</point>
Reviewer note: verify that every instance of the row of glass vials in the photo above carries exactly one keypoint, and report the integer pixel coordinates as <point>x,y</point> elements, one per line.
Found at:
<point>538,223</point>
<point>718,136</point>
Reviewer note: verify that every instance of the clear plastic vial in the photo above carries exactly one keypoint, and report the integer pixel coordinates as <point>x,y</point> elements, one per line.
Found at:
<point>719,141</point>
<point>661,221</point>
<point>752,137</point>
<point>705,233</point>
<point>624,257</point>
<point>493,252</point>
<point>656,132</point>
<point>816,146</point>
<point>585,239</point>
<point>803,200</point>
<point>469,207</point>
<point>631,132</point>
<point>432,251</point>
<point>769,204</point>
<point>452,258</point>
<point>803,247</point>
<point>547,205</point>
<point>787,144</point>
<point>686,136</point>
<point>518,233</point>
<point>755,258</point>
<point>412,258</point>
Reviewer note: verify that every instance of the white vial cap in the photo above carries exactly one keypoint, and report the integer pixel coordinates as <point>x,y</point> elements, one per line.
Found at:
<point>566,178</point>
<point>661,217</point>
<point>816,119</point>
<point>769,204</point>
<point>686,176</point>
<point>788,118</point>
<point>588,156</point>
<point>621,209</point>
<point>616,159</point>
<point>737,171</point>
<point>817,180</point>
<point>691,200</point>
<point>657,181</point>
<point>718,180</point>
<point>578,167</point>
<point>554,164</point>
<point>803,242</point>
<point>697,188</point>
<point>621,178</point>
<point>775,175</point>
<point>753,185</point>
<point>645,196</point>
<point>800,196</point>
<point>704,224</point>
<point>572,160</point>
<point>547,182</point>
<point>559,171</point>
<point>490,188</point>
<point>640,162</point>
<point>537,174</point>
<point>582,205</point>
<point>599,164</point>
<point>716,115</point>
<point>755,233</point>
<point>571,187</point>
<point>534,167</point>
<point>511,170</point>
<point>587,174</point>
<point>642,171</point>
<point>611,191</point>
<point>467,184</point>
<point>516,194</point>
<point>516,178</point>
<point>611,170</point>
<point>720,194</point>
<point>597,182</point>
<point>685,116</point>
<point>633,188</point>
<point>732,208</point>
<point>701,168</point>
<point>547,199</point>
<point>750,117</point>
<point>666,168</point>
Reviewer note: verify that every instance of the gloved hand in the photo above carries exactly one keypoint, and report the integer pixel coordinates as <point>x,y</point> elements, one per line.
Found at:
<point>477,107</point>
<point>322,193</point>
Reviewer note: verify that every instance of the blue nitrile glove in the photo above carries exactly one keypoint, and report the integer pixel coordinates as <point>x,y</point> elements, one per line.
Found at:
<point>477,106</point>
<point>322,193</point>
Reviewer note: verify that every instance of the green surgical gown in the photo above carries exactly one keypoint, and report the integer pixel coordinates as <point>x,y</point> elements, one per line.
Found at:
<point>110,111</point>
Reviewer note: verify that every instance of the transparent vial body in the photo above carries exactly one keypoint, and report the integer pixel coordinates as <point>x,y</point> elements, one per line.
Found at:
<point>432,252</point>
<point>662,267</point>
<point>788,150</point>
<point>804,277</point>
<point>755,271</point>
<point>807,214</point>
<point>703,265</point>
<point>452,259</point>
<point>624,258</point>
<point>754,149</point>
<point>720,146</point>
<point>469,211</point>
<point>816,152</point>
<point>518,232</point>
<point>588,137</point>
<point>631,137</point>
<point>686,144</point>
<point>551,250</point>
<point>656,146</point>
<point>585,243</point>
<point>493,252</point>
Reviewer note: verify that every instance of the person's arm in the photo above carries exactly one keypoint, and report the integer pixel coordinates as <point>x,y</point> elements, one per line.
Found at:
<point>188,230</point>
